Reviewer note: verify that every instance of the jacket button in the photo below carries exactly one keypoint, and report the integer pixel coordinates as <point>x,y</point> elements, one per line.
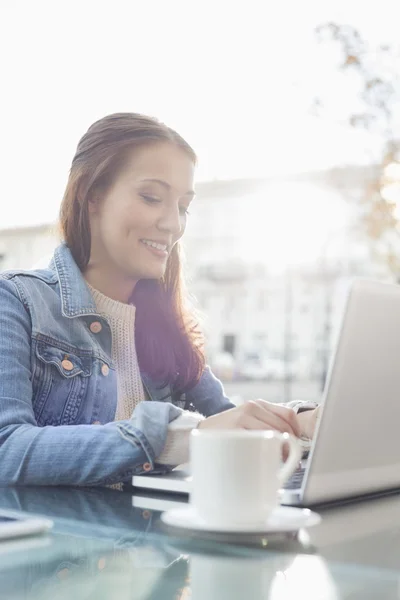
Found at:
<point>95,327</point>
<point>101,563</point>
<point>67,365</point>
<point>147,467</point>
<point>105,370</point>
<point>63,574</point>
<point>97,423</point>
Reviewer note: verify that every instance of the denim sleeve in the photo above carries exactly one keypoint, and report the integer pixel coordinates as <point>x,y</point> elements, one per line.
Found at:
<point>66,454</point>
<point>208,396</point>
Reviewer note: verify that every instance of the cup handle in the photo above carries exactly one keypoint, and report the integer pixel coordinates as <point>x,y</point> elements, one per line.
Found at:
<point>295,453</point>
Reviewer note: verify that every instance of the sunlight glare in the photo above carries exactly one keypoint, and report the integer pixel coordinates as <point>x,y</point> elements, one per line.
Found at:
<point>291,226</point>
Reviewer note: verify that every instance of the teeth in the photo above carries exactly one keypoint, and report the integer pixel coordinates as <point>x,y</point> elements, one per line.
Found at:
<point>155,245</point>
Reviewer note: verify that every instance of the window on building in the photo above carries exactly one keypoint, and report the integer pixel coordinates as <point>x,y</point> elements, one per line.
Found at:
<point>229,343</point>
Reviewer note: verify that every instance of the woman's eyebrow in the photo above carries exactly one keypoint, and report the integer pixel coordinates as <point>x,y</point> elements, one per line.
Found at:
<point>166,185</point>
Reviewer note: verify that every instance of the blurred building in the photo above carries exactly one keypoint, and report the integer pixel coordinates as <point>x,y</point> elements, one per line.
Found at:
<point>262,301</point>
<point>22,248</point>
<point>275,310</point>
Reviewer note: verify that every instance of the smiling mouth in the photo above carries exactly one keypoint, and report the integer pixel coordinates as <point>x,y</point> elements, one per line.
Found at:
<point>160,250</point>
<point>156,245</point>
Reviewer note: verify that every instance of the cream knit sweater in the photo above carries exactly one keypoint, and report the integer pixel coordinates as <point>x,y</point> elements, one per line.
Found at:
<point>121,318</point>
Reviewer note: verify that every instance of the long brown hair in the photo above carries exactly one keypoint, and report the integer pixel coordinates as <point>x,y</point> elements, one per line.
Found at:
<point>169,342</point>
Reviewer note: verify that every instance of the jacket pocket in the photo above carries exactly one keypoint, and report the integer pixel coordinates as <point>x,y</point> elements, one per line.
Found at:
<point>60,383</point>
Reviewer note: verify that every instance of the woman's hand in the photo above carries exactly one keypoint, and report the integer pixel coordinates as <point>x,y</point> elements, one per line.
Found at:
<point>256,414</point>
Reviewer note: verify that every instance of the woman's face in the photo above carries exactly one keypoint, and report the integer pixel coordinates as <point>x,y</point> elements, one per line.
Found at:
<point>135,225</point>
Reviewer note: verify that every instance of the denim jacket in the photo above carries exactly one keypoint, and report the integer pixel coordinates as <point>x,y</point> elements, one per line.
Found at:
<point>58,388</point>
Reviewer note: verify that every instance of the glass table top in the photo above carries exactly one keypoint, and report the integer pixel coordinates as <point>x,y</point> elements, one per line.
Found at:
<point>108,544</point>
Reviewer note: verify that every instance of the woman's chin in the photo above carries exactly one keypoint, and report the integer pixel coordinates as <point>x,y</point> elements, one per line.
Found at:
<point>151,274</point>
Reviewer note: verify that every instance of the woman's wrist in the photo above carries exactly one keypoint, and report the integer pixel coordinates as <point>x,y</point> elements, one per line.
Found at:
<point>308,420</point>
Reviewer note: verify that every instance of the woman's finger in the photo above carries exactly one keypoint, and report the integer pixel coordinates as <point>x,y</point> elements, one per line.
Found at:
<point>264,420</point>
<point>286,414</point>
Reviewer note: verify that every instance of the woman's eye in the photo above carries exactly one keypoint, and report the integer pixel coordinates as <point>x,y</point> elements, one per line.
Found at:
<point>183,211</point>
<point>150,199</point>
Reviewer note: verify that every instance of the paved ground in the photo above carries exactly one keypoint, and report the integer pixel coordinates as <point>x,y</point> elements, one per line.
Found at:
<point>273,391</point>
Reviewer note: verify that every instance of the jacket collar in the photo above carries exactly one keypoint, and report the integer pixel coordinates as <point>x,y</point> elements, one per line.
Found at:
<point>76,299</point>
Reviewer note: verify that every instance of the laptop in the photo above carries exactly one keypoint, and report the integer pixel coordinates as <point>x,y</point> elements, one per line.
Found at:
<point>356,447</point>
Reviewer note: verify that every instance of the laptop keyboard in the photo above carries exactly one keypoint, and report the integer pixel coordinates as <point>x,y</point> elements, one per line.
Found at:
<point>295,481</point>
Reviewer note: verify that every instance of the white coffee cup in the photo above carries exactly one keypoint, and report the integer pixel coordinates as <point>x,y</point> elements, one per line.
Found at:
<point>237,474</point>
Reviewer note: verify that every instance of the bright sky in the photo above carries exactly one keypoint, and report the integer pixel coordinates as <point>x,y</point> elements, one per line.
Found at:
<point>234,78</point>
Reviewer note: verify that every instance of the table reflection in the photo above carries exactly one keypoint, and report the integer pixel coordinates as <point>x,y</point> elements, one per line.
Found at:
<point>105,546</point>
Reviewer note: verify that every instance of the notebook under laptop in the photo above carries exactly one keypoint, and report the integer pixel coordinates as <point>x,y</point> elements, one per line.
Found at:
<point>356,448</point>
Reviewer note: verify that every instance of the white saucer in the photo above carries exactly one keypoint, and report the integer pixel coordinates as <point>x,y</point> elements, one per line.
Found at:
<point>282,519</point>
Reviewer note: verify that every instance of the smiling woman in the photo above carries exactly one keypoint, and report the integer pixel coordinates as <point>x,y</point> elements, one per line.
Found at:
<point>131,208</point>
<point>102,368</point>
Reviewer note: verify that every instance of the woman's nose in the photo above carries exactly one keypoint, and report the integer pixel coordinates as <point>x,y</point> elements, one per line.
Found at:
<point>171,221</point>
